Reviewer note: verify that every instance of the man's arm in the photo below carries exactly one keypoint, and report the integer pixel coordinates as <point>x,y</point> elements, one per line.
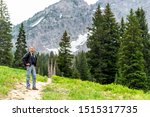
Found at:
<point>25,59</point>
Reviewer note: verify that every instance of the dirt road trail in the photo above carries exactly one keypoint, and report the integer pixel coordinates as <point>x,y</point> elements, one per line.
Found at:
<point>21,93</point>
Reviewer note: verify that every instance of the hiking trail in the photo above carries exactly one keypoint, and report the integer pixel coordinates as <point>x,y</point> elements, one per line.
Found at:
<point>21,93</point>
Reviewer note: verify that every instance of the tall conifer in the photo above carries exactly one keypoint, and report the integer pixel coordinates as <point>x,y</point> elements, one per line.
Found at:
<point>141,16</point>
<point>103,43</point>
<point>65,57</point>
<point>21,48</point>
<point>5,36</point>
<point>131,71</point>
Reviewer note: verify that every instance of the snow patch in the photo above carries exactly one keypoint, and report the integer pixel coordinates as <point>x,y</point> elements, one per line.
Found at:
<point>74,44</point>
<point>37,22</point>
<point>60,16</point>
<point>90,2</point>
<point>80,41</point>
<point>102,8</point>
<point>54,50</point>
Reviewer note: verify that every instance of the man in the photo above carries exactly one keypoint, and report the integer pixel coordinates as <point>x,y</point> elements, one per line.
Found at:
<point>30,60</point>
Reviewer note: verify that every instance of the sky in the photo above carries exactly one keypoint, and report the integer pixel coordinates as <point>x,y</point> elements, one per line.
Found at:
<point>21,10</point>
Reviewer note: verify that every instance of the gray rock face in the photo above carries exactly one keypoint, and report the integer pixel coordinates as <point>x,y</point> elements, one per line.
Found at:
<point>45,29</point>
<point>121,8</point>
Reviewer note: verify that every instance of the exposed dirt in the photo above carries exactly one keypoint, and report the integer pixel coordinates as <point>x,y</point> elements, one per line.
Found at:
<point>21,93</point>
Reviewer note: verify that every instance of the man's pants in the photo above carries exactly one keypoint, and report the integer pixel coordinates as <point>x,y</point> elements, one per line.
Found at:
<point>31,70</point>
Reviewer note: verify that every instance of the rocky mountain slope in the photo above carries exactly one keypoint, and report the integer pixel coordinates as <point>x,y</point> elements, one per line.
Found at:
<point>45,28</point>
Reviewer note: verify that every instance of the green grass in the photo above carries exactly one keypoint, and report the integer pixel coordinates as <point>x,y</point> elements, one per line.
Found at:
<point>73,89</point>
<point>10,76</point>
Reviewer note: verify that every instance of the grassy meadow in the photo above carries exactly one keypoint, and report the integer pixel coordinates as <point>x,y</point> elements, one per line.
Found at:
<point>74,89</point>
<point>70,89</point>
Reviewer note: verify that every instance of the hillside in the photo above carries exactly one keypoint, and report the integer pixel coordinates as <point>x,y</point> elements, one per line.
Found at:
<point>65,88</point>
<point>73,89</point>
<point>9,77</point>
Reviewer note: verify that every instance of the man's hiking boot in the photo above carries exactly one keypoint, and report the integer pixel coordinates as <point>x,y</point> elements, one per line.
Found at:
<point>28,88</point>
<point>34,88</point>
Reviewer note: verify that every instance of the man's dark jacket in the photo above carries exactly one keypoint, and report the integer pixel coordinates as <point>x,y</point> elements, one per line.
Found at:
<point>27,58</point>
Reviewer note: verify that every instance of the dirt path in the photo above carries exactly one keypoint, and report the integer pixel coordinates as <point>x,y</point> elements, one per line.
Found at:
<point>21,93</point>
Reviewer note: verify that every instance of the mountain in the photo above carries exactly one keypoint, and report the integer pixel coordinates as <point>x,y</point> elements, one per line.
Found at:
<point>44,30</point>
<point>121,8</point>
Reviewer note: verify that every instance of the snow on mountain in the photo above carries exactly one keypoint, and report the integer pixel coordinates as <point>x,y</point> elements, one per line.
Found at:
<point>79,42</point>
<point>60,15</point>
<point>89,2</point>
<point>54,50</point>
<point>102,8</point>
<point>74,44</point>
<point>37,22</point>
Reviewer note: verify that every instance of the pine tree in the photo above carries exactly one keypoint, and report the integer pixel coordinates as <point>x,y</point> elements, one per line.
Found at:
<point>83,67</point>
<point>75,72</point>
<point>5,36</point>
<point>122,28</point>
<point>140,14</point>
<point>4,15</point>
<point>45,64</point>
<point>110,45</point>
<point>103,44</point>
<point>21,48</point>
<point>42,64</point>
<point>131,61</point>
<point>95,37</point>
<point>65,57</point>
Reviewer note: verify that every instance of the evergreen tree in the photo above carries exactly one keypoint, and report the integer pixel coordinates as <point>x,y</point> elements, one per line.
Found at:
<point>95,37</point>
<point>75,72</point>
<point>103,43</point>
<point>5,36</point>
<point>65,57</point>
<point>42,64</point>
<point>83,67</point>
<point>131,61</point>
<point>140,14</point>
<point>122,27</point>
<point>122,30</point>
<point>4,15</point>
<point>21,48</point>
<point>110,45</point>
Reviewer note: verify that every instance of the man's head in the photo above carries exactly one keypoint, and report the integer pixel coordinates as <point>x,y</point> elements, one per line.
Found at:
<point>32,49</point>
